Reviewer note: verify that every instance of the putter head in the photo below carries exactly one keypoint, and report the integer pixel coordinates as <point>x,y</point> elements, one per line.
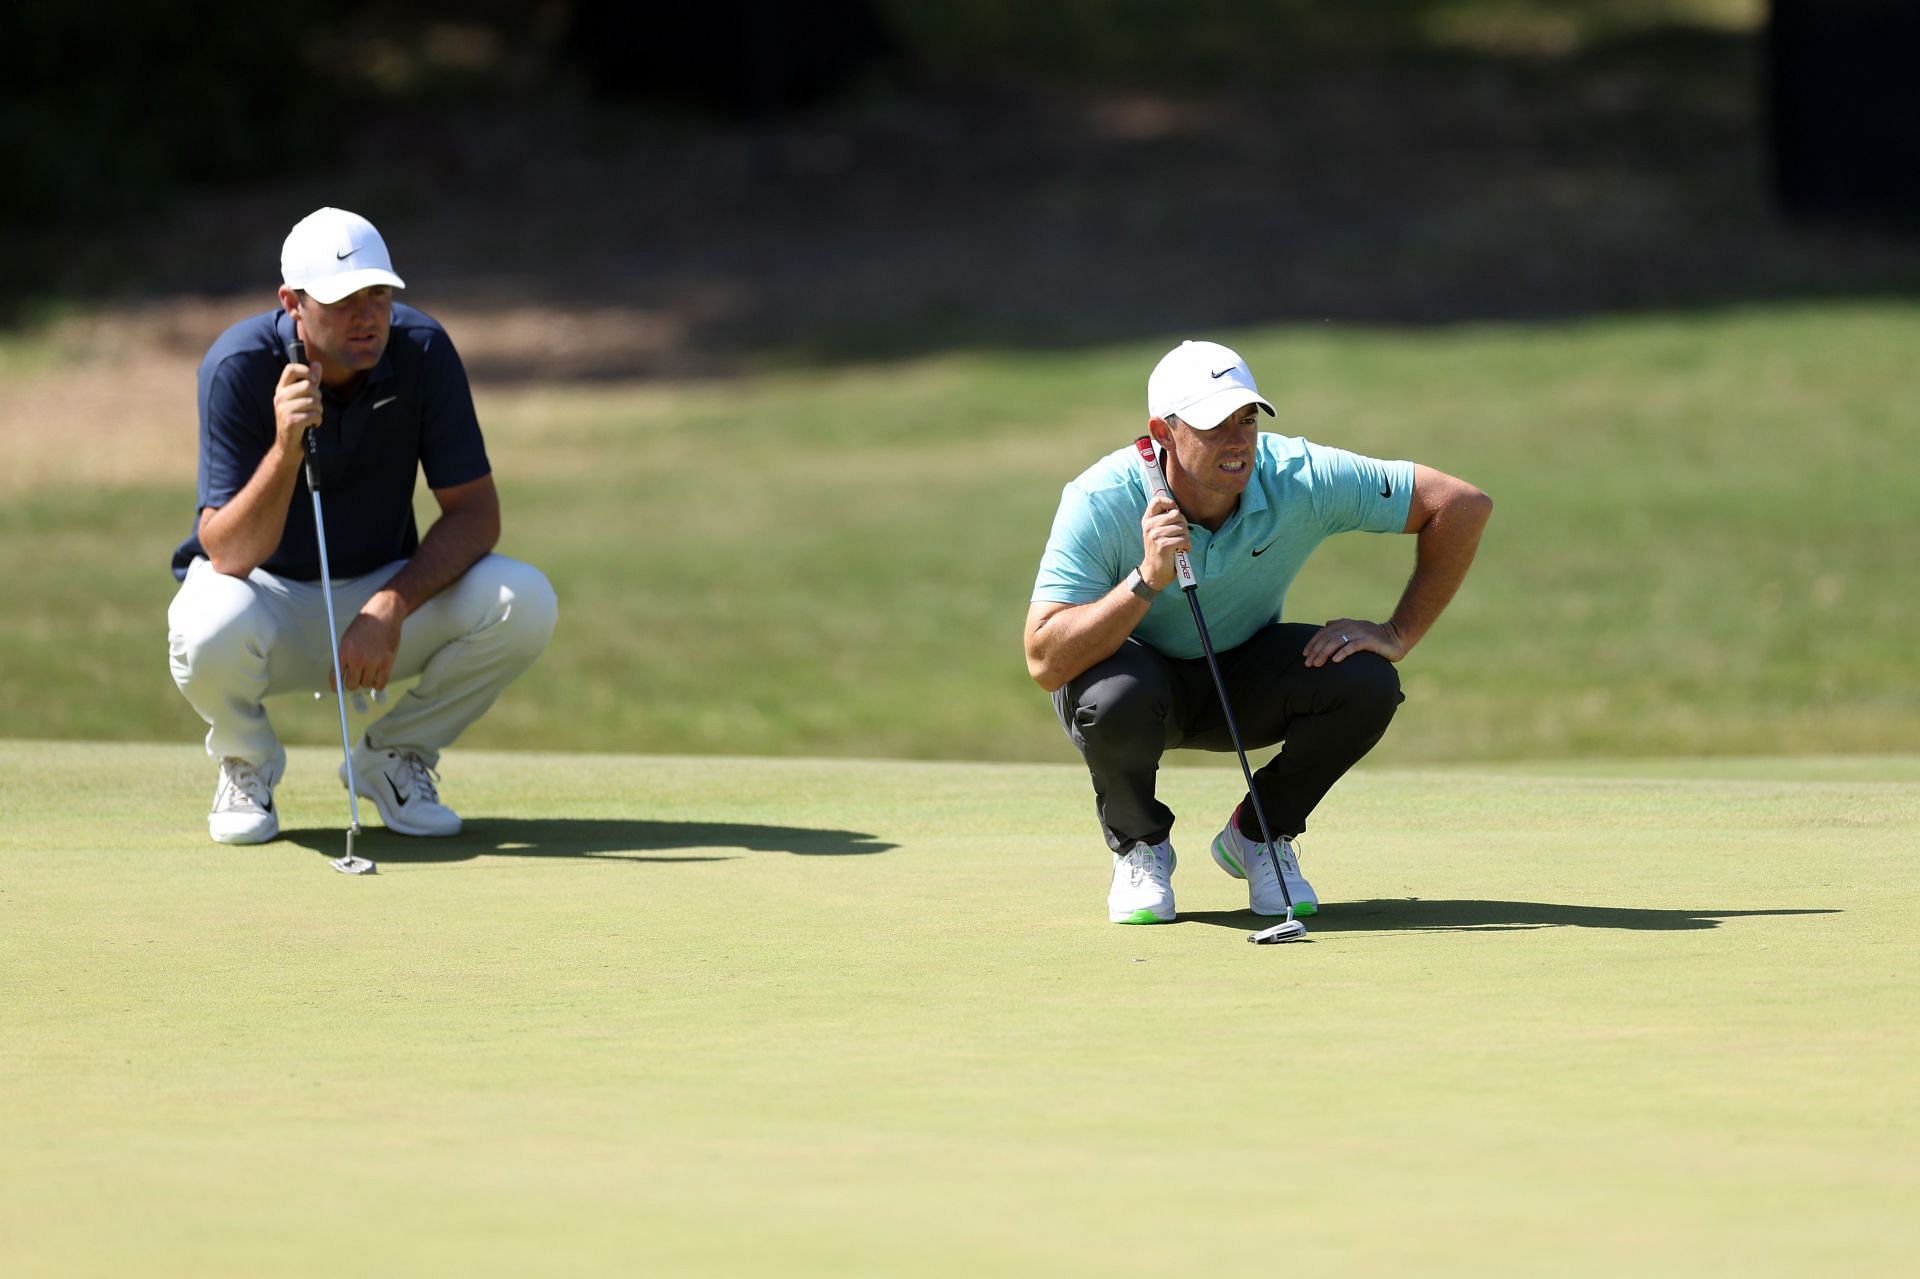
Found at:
<point>1285,930</point>
<point>348,864</point>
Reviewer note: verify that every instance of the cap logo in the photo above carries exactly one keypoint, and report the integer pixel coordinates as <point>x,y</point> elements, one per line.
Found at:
<point>1201,382</point>
<point>332,253</point>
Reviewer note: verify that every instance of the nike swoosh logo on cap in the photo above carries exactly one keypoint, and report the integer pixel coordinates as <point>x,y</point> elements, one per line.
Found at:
<point>342,257</point>
<point>1225,371</point>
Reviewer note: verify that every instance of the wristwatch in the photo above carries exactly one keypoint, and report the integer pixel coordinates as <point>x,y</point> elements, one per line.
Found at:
<point>1138,585</point>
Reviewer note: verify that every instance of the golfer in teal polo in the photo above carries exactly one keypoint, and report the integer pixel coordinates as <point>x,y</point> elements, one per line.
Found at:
<point>1120,655</point>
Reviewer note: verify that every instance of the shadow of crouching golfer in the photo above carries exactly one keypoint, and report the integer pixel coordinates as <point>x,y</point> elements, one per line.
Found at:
<point>1414,914</point>
<point>610,840</point>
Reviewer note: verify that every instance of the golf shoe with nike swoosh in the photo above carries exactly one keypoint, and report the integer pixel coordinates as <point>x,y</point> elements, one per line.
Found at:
<point>404,788</point>
<point>243,803</point>
<point>1261,866</point>
<point>1142,891</point>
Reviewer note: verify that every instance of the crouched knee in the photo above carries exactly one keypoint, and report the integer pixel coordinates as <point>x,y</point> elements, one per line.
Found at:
<point>1122,713</point>
<point>1370,685</point>
<point>216,621</point>
<point>529,608</point>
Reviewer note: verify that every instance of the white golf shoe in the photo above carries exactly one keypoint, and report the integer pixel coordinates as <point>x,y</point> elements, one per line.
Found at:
<point>403,787</point>
<point>1257,863</point>
<point>1142,891</point>
<point>242,805</point>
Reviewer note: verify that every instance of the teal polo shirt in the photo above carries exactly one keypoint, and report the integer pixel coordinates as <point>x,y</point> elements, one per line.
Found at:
<point>1301,493</point>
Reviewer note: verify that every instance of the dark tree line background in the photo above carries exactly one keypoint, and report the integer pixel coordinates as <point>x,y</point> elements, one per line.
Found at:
<point>109,110</point>
<point>1844,106</point>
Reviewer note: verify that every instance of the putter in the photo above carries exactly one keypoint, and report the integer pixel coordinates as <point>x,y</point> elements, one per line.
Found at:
<point>1288,929</point>
<point>349,864</point>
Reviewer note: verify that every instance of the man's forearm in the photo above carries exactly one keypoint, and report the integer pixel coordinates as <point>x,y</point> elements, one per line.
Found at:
<point>1072,640</point>
<point>453,545</point>
<point>1444,552</point>
<point>239,536</point>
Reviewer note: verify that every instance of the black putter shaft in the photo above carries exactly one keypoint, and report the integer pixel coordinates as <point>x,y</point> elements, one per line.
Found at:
<point>348,864</point>
<point>1190,585</point>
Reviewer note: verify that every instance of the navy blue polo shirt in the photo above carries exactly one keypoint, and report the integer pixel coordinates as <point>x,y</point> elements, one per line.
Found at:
<point>413,414</point>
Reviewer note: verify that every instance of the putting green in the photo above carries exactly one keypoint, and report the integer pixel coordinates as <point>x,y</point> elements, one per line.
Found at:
<point>717,1016</point>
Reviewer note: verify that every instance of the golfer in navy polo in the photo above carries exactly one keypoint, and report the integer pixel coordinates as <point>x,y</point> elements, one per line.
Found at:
<point>1120,654</point>
<point>390,398</point>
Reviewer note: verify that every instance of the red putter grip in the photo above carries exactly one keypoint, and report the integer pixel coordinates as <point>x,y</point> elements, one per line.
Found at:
<point>1150,463</point>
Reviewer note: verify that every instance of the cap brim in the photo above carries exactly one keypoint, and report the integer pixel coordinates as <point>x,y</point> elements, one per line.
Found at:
<point>1218,407</point>
<point>335,287</point>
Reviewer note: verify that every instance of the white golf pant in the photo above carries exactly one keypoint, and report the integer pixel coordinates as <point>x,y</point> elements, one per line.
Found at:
<point>236,641</point>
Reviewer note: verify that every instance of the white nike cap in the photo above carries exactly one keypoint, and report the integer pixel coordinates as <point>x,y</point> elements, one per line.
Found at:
<point>1204,383</point>
<point>331,253</point>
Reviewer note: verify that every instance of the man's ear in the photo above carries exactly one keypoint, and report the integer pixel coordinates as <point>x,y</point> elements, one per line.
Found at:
<point>289,301</point>
<point>1162,433</point>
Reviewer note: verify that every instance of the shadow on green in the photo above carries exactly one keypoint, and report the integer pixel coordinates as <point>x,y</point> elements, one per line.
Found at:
<point>1413,914</point>
<point>613,840</point>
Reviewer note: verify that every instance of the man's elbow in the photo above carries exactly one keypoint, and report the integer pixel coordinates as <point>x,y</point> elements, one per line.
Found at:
<point>483,526</point>
<point>220,556</point>
<point>1041,669</point>
<point>1476,507</point>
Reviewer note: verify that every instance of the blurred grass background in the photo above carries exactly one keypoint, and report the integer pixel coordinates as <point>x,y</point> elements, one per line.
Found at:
<point>1697,548</point>
<point>783,401</point>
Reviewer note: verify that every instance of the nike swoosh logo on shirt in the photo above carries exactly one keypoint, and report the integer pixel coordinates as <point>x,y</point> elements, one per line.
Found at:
<point>381,404</point>
<point>1386,486</point>
<point>1267,547</point>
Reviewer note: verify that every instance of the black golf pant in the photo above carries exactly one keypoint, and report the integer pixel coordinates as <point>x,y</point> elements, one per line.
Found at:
<point>1126,712</point>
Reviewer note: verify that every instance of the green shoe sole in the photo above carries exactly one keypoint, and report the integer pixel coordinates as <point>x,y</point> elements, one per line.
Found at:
<point>1143,916</point>
<point>1308,909</point>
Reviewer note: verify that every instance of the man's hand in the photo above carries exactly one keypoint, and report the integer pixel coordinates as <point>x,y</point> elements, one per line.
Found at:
<point>296,404</point>
<point>242,534</point>
<point>1344,636</point>
<point>372,640</point>
<point>1163,530</point>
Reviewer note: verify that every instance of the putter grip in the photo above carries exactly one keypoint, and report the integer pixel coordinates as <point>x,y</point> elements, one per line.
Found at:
<point>1150,463</point>
<point>310,442</point>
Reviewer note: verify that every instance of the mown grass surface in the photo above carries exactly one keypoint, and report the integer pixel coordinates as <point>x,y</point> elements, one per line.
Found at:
<point>718,1016</point>
<point>1697,546</point>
